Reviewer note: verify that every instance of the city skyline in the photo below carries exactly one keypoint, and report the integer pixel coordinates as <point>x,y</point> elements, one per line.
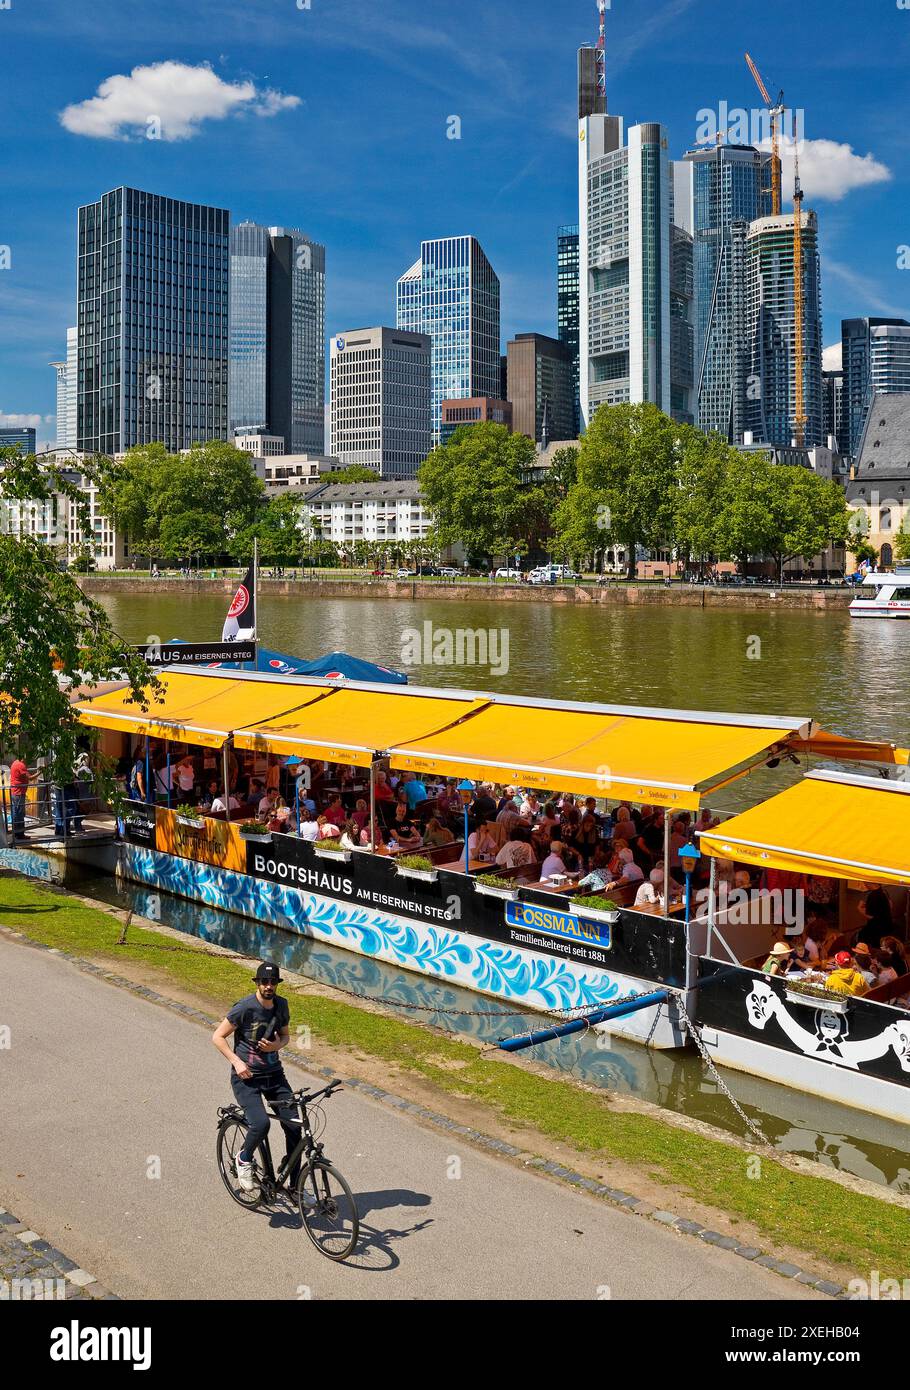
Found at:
<point>296,156</point>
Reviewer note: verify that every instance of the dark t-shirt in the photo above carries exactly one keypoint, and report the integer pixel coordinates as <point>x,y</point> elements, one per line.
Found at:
<point>253,1022</point>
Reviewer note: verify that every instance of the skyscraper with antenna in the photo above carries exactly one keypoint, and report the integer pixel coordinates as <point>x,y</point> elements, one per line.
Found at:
<point>626,255</point>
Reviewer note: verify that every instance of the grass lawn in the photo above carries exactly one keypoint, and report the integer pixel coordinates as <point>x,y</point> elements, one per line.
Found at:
<point>852,1230</point>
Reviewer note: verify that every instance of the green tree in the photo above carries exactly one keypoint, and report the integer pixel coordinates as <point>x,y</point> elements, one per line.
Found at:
<point>858,543</point>
<point>808,514</point>
<point>902,541</point>
<point>52,637</point>
<point>625,491</point>
<point>175,504</point>
<point>476,488</point>
<point>702,471</point>
<point>279,529</point>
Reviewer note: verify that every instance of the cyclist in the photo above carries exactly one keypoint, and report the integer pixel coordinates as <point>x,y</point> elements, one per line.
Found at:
<point>259,1023</point>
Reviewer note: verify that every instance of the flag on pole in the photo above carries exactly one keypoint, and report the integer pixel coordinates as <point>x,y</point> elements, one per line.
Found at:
<point>240,623</point>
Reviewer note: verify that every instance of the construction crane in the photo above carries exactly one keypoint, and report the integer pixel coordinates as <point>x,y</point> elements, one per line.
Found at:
<point>776,112</point>
<point>799,413</point>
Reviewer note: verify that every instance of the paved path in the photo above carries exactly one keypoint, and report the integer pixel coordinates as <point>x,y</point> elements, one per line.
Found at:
<point>98,1084</point>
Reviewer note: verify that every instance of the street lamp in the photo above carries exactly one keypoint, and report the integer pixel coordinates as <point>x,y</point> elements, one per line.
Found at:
<point>466,791</point>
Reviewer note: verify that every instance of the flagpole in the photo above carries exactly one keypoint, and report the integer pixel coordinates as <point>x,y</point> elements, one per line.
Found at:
<point>256,599</point>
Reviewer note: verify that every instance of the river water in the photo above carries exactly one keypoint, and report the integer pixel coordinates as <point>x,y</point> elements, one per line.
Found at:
<point>853,677</point>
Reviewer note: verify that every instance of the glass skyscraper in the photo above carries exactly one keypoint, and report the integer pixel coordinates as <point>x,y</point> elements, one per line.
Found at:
<point>727,197</point>
<point>876,358</point>
<point>152,322</point>
<point>452,294</point>
<point>771,331</point>
<point>567,302</point>
<point>277,335</point>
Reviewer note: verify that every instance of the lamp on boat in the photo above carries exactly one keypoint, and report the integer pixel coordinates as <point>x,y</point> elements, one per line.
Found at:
<point>466,791</point>
<point>689,856</point>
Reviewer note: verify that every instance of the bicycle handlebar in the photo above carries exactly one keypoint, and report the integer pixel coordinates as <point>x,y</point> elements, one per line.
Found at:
<point>307,1098</point>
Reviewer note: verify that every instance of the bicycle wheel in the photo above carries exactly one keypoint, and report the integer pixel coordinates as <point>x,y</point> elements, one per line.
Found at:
<point>231,1134</point>
<point>327,1209</point>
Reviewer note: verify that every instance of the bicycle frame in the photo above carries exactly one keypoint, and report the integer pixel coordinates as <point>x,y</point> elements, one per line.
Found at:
<point>307,1148</point>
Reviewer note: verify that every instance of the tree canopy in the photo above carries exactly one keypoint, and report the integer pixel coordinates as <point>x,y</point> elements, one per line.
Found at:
<point>177,505</point>
<point>51,635</point>
<point>477,489</point>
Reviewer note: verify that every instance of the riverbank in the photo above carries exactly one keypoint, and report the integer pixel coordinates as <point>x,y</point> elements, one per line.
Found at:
<point>676,1167</point>
<point>616,593</point>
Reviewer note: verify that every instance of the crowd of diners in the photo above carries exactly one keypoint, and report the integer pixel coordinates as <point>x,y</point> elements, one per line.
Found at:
<point>548,839</point>
<point>550,836</point>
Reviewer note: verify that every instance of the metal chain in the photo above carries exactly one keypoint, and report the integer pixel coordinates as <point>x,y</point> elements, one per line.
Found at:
<point>564,1016</point>
<point>694,1034</point>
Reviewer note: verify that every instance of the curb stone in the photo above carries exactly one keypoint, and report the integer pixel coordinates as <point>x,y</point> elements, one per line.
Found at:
<point>27,1256</point>
<point>634,1206</point>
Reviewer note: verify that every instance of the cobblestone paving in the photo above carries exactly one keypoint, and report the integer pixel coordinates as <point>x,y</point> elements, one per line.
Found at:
<point>32,1268</point>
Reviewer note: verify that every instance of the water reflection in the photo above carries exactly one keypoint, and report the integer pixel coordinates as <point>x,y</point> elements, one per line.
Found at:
<point>864,1145</point>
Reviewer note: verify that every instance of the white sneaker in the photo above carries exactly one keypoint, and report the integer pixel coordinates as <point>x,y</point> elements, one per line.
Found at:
<point>245,1175</point>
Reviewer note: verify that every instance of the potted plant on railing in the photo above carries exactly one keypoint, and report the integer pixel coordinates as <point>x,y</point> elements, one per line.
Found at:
<point>189,815</point>
<point>331,848</point>
<point>492,886</point>
<point>598,908</point>
<point>416,866</point>
<point>814,994</point>
<point>255,830</point>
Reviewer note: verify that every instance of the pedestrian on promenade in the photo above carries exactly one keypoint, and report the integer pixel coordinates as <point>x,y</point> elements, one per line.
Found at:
<point>19,778</point>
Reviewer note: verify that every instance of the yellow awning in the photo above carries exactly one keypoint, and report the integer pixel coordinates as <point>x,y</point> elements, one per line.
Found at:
<point>197,709</point>
<point>829,824</point>
<point>666,761</point>
<point>851,750</point>
<point>352,726</point>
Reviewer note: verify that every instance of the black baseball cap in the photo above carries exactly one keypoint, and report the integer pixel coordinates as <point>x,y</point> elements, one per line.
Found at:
<point>268,974</point>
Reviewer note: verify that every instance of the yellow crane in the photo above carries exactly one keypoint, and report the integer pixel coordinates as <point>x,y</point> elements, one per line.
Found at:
<point>776,112</point>
<point>799,412</point>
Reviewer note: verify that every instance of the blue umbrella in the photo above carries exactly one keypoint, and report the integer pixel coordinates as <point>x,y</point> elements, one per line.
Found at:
<point>334,666</point>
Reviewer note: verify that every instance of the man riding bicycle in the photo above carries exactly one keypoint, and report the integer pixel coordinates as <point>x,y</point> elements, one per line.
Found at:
<point>259,1023</point>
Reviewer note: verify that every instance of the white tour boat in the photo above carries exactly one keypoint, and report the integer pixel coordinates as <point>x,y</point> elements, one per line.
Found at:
<point>892,597</point>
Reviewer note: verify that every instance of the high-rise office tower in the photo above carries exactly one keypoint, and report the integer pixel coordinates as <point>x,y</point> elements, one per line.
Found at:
<point>567,305</point>
<point>833,419</point>
<point>541,387</point>
<point>771,330</point>
<point>381,392</point>
<point>727,197</point>
<point>277,335</point>
<point>21,437</point>
<point>67,377</point>
<point>452,294</point>
<point>625,203</point>
<point>876,359</point>
<point>152,322</point>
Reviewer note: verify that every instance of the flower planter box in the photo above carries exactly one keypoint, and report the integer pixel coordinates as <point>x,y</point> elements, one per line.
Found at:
<point>341,856</point>
<point>595,914</point>
<point>832,1003</point>
<point>426,875</point>
<point>192,822</point>
<point>263,838</point>
<point>487,890</point>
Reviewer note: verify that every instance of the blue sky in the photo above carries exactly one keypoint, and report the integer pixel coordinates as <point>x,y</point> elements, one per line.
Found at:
<point>334,118</point>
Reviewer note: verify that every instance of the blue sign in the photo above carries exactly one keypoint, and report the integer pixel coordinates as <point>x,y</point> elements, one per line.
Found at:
<point>549,920</point>
<point>339,344</point>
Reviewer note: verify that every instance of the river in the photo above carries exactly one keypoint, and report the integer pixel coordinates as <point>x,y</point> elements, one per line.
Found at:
<point>853,677</point>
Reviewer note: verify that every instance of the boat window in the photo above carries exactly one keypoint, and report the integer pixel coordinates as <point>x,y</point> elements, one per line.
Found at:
<point>901,596</point>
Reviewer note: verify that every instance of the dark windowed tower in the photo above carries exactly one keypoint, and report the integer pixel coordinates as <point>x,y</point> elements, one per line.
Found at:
<point>152,353</point>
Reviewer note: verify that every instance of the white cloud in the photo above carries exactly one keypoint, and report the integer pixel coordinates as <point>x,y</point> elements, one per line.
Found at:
<point>177,95</point>
<point>828,170</point>
<point>21,422</point>
<point>832,358</point>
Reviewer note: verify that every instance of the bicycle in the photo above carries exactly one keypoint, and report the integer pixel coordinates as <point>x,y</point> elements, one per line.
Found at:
<point>324,1199</point>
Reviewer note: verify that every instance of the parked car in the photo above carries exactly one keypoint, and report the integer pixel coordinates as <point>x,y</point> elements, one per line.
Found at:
<point>542,577</point>
<point>429,571</point>
<point>402,574</point>
<point>448,573</point>
<point>508,574</point>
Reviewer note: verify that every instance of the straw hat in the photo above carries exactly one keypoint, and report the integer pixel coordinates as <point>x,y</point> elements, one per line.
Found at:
<point>780,949</point>
<point>861,949</point>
